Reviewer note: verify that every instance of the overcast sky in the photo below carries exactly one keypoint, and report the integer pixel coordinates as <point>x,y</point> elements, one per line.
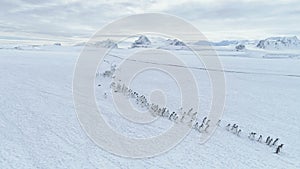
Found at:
<point>75,19</point>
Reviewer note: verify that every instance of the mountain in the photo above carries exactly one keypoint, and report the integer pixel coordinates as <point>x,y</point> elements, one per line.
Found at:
<point>240,47</point>
<point>105,44</point>
<point>141,42</point>
<point>220,43</point>
<point>279,43</point>
<point>171,44</point>
<point>175,42</point>
<point>203,43</point>
<point>225,43</point>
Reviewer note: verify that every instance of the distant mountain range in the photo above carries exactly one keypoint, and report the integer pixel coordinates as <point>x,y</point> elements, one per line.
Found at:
<point>271,43</point>
<point>279,43</point>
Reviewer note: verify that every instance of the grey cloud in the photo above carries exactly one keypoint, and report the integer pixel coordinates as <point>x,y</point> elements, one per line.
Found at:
<point>83,18</point>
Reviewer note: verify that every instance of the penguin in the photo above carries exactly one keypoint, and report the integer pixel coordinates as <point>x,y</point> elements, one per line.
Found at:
<point>142,104</point>
<point>233,127</point>
<point>238,133</point>
<point>190,123</point>
<point>158,112</point>
<point>112,85</point>
<point>218,123</point>
<point>163,111</point>
<point>130,90</point>
<point>194,116</point>
<point>190,111</point>
<point>207,122</point>
<point>275,141</point>
<point>203,121</point>
<point>207,126</point>
<point>118,88</point>
<point>175,117</point>
<point>236,128</point>
<point>147,106</point>
<point>196,125</point>
<point>200,127</point>
<point>167,113</point>
<point>184,113</point>
<point>260,138</point>
<point>269,143</point>
<point>135,94</point>
<point>151,107</point>
<point>171,115</point>
<point>278,148</point>
<point>228,126</point>
<point>250,135</point>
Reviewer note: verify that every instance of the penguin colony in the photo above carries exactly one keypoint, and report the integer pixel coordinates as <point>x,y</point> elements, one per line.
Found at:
<point>187,117</point>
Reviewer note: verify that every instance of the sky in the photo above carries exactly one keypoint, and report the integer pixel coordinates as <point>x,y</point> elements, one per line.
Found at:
<point>77,20</point>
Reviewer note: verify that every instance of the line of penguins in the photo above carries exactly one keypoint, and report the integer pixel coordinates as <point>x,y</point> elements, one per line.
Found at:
<point>252,136</point>
<point>188,117</point>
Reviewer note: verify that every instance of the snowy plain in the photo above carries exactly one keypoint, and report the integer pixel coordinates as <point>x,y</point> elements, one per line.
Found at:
<point>39,126</point>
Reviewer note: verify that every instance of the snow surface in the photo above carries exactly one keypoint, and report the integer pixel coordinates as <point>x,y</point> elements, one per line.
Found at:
<point>39,127</point>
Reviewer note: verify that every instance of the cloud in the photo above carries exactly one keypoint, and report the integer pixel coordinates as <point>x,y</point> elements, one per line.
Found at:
<point>256,17</point>
<point>217,19</point>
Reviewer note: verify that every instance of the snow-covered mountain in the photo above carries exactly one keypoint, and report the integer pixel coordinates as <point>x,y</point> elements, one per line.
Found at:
<point>202,43</point>
<point>279,43</point>
<point>175,42</point>
<point>220,43</point>
<point>142,42</point>
<point>226,43</point>
<point>172,44</point>
<point>240,47</point>
<point>105,44</point>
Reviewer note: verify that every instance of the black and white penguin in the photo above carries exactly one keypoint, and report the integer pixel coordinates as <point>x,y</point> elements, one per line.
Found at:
<point>269,143</point>
<point>196,125</point>
<point>183,116</point>
<point>207,126</point>
<point>275,141</point>
<point>260,138</point>
<point>253,136</point>
<point>228,126</point>
<point>233,126</point>
<point>163,111</point>
<point>171,115</point>
<point>200,127</point>
<point>236,128</point>
<point>218,123</point>
<point>207,122</point>
<point>250,135</point>
<point>239,132</point>
<point>189,112</point>
<point>204,119</point>
<point>175,117</point>
<point>278,148</point>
